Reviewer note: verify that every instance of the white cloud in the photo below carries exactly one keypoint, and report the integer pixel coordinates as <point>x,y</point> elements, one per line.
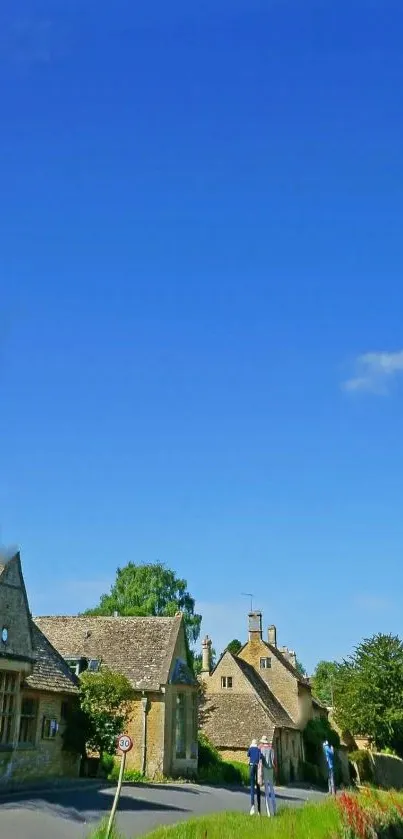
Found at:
<point>374,372</point>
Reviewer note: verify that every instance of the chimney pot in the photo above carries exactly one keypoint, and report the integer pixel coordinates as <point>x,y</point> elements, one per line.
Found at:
<point>272,635</point>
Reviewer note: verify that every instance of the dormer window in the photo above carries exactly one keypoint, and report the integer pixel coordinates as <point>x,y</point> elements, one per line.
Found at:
<point>226,682</point>
<point>77,665</point>
<point>265,663</point>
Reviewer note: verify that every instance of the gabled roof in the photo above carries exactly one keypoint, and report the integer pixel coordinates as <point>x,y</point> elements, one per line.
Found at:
<point>287,664</point>
<point>50,672</point>
<point>278,714</point>
<point>140,648</point>
<point>302,680</point>
<point>233,719</point>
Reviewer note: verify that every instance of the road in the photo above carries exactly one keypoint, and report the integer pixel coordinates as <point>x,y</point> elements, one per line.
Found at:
<point>72,813</point>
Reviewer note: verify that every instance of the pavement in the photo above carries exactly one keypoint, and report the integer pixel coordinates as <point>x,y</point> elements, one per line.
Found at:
<point>71,813</point>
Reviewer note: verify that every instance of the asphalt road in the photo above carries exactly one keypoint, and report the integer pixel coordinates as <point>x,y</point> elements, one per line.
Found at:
<point>72,813</point>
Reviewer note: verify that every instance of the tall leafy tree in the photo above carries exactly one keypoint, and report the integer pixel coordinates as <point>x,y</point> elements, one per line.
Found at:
<point>323,679</point>
<point>368,691</point>
<point>150,589</point>
<point>234,646</point>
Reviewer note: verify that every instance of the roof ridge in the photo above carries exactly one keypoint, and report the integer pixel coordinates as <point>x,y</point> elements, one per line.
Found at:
<point>109,617</point>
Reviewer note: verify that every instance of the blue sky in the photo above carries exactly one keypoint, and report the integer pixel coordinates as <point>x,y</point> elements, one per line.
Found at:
<point>201,353</point>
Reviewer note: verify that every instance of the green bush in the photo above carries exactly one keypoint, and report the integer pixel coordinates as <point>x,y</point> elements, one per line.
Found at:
<point>131,776</point>
<point>214,770</point>
<point>107,765</point>
<point>315,733</point>
<point>310,773</point>
<point>208,754</point>
<point>363,761</point>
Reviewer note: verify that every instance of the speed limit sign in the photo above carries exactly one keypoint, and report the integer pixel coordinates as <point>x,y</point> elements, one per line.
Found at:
<point>125,743</point>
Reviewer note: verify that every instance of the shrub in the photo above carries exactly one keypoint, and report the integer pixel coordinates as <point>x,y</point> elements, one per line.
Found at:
<point>310,773</point>
<point>131,776</point>
<point>208,754</point>
<point>315,733</point>
<point>363,762</point>
<point>107,764</point>
<point>214,770</point>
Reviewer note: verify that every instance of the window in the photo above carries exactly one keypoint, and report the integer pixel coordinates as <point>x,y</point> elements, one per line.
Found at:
<point>195,724</point>
<point>29,711</point>
<point>226,682</point>
<point>49,729</point>
<point>180,726</point>
<point>64,711</point>
<point>265,663</point>
<point>8,691</point>
<point>77,665</point>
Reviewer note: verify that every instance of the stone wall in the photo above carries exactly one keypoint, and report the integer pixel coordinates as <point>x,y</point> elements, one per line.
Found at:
<point>289,754</point>
<point>234,755</point>
<point>154,745</point>
<point>388,771</point>
<point>14,612</point>
<point>45,758</point>
<point>280,681</point>
<point>227,667</point>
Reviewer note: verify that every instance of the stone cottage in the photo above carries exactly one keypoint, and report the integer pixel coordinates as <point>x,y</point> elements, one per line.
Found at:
<point>151,652</point>
<point>36,687</point>
<point>259,691</point>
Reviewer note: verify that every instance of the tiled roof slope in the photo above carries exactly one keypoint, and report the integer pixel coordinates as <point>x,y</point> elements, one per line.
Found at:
<point>50,672</point>
<point>140,648</point>
<point>277,712</point>
<point>233,721</point>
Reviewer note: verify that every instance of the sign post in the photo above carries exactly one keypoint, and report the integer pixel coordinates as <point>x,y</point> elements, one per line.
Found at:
<point>125,743</point>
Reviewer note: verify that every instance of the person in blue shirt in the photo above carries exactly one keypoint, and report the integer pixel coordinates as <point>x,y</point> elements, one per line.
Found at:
<point>329,757</point>
<point>254,757</point>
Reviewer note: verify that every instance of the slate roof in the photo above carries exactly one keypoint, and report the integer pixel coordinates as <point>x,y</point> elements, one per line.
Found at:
<point>233,721</point>
<point>140,648</point>
<point>287,664</point>
<point>50,672</point>
<point>274,707</point>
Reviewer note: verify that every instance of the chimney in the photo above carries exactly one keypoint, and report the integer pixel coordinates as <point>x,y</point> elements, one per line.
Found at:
<point>290,655</point>
<point>206,655</point>
<point>292,658</point>
<point>272,635</point>
<point>255,626</point>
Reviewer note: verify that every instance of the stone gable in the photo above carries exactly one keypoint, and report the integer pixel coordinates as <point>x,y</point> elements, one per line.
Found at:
<point>15,617</point>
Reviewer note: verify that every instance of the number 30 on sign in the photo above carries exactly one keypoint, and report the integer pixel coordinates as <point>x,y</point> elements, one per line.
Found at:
<point>125,743</point>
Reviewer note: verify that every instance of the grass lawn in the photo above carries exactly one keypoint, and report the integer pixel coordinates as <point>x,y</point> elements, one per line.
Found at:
<point>368,814</point>
<point>309,822</point>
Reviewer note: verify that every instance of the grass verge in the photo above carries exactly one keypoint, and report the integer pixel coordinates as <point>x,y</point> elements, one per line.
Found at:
<point>364,816</point>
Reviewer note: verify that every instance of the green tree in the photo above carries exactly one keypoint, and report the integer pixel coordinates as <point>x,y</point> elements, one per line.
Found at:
<point>368,691</point>
<point>300,668</point>
<point>234,646</point>
<point>104,700</point>
<point>150,589</point>
<point>323,679</point>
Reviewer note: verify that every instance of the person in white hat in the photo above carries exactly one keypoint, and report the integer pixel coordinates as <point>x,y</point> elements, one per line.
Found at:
<point>254,757</point>
<point>268,763</point>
